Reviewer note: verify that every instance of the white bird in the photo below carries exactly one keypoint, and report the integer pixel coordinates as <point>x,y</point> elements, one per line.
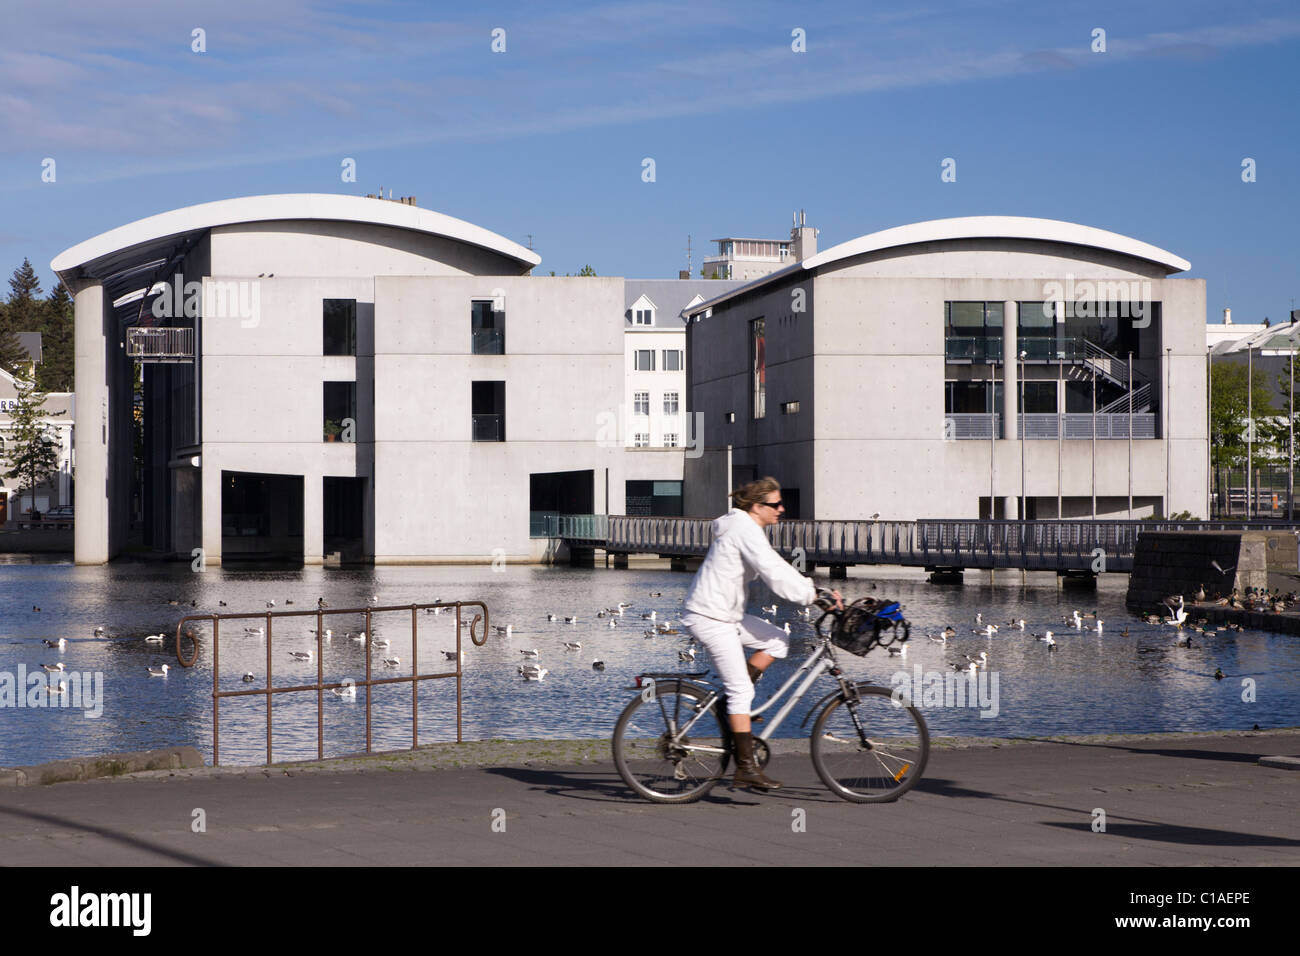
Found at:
<point>255,630</point>
<point>57,689</point>
<point>988,630</point>
<point>551,617</point>
<point>534,673</point>
<point>507,629</point>
<point>359,636</point>
<point>979,617</point>
<point>99,631</point>
<point>941,639</point>
<point>971,668</point>
<point>571,620</point>
<point>379,643</point>
<point>530,653</point>
<point>899,651</point>
<point>769,609</point>
<point>54,668</point>
<point>300,655</point>
<point>154,638</point>
<point>159,671</point>
<point>328,633</point>
<point>1100,622</point>
<point>980,661</point>
<point>649,615</point>
<point>573,645</point>
<point>787,627</point>
<point>613,623</point>
<point>1050,641</point>
<point>270,604</point>
<point>248,678</point>
<point>392,661</point>
<point>61,643</point>
<point>348,691</point>
<point>686,655</point>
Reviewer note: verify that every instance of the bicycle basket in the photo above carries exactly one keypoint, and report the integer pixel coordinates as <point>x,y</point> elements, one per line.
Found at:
<point>868,623</point>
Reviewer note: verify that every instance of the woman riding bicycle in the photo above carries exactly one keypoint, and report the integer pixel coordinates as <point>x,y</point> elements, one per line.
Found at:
<point>715,609</point>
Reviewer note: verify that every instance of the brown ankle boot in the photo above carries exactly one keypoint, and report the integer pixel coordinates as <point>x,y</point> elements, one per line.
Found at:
<point>748,772</point>
<point>754,672</point>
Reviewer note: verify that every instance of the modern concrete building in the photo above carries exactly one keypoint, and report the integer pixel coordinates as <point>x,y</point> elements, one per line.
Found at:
<point>338,376</point>
<point>895,374</point>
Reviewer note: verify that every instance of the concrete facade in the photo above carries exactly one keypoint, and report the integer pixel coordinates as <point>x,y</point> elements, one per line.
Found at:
<point>857,339</point>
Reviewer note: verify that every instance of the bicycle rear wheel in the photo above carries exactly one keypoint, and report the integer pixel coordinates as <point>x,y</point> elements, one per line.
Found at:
<point>878,764</point>
<point>656,759</point>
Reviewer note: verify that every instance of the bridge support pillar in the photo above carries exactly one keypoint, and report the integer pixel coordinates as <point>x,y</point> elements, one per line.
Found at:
<point>839,572</point>
<point>1077,579</point>
<point>582,557</point>
<point>677,564</point>
<point>620,561</point>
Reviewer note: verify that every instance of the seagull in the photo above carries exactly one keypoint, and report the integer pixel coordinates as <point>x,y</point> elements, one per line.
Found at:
<point>686,655</point>
<point>255,630</point>
<point>379,643</point>
<point>159,671</point>
<point>787,627</point>
<point>534,673</point>
<point>1050,641</point>
<point>979,617</point>
<point>349,692</point>
<point>1100,622</point>
<point>531,653</point>
<point>571,620</point>
<point>54,668</point>
<point>300,655</point>
<point>573,645</point>
<point>613,623</point>
<point>61,643</point>
<point>154,638</point>
<point>649,615</point>
<point>99,632</point>
<point>769,609</point>
<point>981,661</point>
<point>941,639</point>
<point>270,604</point>
<point>598,665</point>
<point>507,629</point>
<point>551,617</point>
<point>59,689</point>
<point>970,668</point>
<point>359,636</point>
<point>248,678</point>
<point>900,651</point>
<point>392,661</point>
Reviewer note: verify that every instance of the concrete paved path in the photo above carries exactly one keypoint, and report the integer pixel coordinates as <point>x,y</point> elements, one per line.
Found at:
<point>1177,799</point>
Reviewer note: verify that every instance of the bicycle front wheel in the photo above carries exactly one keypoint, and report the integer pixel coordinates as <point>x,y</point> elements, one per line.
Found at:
<point>872,749</point>
<point>668,746</point>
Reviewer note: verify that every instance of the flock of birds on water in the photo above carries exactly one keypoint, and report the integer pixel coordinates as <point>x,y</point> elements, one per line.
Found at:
<point>612,618</point>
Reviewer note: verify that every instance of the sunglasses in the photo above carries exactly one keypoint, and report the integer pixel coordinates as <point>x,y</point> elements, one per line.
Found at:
<point>773,504</point>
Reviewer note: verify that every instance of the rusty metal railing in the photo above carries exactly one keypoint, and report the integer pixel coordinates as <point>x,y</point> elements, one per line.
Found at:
<point>320,614</point>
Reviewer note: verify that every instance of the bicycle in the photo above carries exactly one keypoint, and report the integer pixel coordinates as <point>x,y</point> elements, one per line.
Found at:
<point>672,742</point>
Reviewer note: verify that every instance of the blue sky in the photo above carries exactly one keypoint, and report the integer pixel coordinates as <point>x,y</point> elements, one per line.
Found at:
<point>1145,139</point>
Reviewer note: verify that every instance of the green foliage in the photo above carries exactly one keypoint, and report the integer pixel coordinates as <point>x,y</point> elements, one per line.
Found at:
<point>587,271</point>
<point>1229,424</point>
<point>56,373</point>
<point>32,451</point>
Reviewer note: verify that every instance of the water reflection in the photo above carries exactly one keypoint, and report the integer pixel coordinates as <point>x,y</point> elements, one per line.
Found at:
<point>1093,683</point>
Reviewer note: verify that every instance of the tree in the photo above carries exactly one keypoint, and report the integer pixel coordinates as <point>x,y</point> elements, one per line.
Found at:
<point>33,453</point>
<point>21,313</point>
<point>1229,428</point>
<point>587,271</point>
<point>56,373</point>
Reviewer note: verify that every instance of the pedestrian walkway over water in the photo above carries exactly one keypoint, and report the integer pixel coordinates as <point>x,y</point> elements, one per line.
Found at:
<point>1062,546</point>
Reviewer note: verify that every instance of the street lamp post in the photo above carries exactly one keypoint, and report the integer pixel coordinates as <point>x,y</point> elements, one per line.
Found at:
<point>1021,414</point>
<point>1130,436</point>
<point>1094,444</point>
<point>993,433</point>
<point>1169,418</point>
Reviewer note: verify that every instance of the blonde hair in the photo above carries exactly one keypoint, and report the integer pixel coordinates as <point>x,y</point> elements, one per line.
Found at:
<point>753,492</point>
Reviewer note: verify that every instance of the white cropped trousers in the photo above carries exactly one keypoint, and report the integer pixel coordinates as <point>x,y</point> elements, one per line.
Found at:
<point>726,645</point>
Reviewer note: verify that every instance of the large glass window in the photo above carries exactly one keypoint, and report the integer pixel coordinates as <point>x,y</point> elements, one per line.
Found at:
<point>641,403</point>
<point>971,398</point>
<point>340,401</point>
<point>758,366</point>
<point>487,328</point>
<point>973,331</point>
<point>340,327</point>
<point>489,411</point>
<point>644,360</point>
<point>672,360</point>
<point>1040,398</point>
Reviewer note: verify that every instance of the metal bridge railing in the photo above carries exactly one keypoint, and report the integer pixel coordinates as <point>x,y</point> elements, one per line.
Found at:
<point>321,686</point>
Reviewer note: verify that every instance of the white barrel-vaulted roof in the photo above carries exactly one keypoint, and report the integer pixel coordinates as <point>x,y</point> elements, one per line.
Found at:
<point>971,227</point>
<point>128,249</point>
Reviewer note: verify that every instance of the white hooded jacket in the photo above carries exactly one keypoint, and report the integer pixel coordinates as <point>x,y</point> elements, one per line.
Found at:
<point>740,552</point>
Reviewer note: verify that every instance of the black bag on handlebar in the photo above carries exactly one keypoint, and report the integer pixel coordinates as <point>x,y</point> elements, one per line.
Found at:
<point>868,623</point>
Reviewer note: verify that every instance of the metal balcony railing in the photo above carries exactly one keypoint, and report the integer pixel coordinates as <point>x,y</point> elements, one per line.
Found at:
<point>973,348</point>
<point>489,341</point>
<point>1080,426</point>
<point>969,426</point>
<point>160,344</point>
<point>489,428</point>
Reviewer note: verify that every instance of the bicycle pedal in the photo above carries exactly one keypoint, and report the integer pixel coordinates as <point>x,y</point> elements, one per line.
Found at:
<point>756,720</point>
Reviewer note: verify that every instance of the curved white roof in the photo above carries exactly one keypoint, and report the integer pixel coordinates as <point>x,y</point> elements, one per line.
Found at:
<point>138,240</point>
<point>973,227</point>
<point>998,227</point>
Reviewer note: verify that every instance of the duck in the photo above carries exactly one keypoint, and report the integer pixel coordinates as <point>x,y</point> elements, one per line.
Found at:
<point>530,653</point>
<point>649,615</point>
<point>506,630</point>
<point>598,665</point>
<point>260,632</point>
<point>452,655</point>
<point>1184,640</point>
<point>54,668</point>
<point>941,639</point>
<point>392,661</point>
<point>573,645</point>
<point>248,678</point>
<point>571,620</point>
<point>380,643</point>
<point>970,668</point>
<point>99,631</point>
<point>1218,673</point>
<point>551,617</point>
<point>1200,593</point>
<point>159,671</point>
<point>949,631</point>
<point>60,644</point>
<point>300,655</point>
<point>154,638</point>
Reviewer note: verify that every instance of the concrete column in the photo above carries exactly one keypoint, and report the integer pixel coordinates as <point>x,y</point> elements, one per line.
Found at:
<point>313,519</point>
<point>1009,479</point>
<point>210,511</point>
<point>90,530</point>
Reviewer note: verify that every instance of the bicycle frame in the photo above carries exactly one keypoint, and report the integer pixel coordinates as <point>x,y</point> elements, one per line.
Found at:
<point>817,663</point>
